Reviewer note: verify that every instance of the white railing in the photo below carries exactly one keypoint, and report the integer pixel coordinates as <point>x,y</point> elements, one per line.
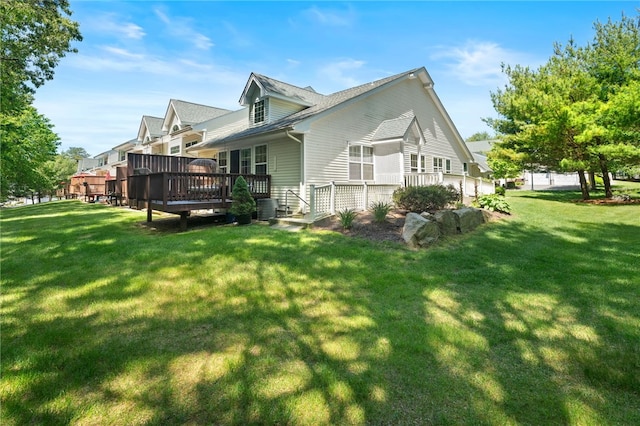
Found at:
<point>328,199</point>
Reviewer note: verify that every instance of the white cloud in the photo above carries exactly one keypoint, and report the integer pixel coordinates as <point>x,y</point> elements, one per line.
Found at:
<point>342,72</point>
<point>182,28</point>
<point>477,63</point>
<point>110,24</point>
<point>331,17</point>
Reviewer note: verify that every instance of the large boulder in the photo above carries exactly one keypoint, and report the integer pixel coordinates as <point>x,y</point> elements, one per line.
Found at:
<point>448,222</point>
<point>419,231</point>
<point>469,218</point>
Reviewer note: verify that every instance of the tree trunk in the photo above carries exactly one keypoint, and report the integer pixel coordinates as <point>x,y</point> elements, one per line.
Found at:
<point>605,176</point>
<point>592,180</point>
<point>584,187</point>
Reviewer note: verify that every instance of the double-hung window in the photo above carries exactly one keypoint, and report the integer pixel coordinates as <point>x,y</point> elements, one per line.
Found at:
<point>258,112</point>
<point>414,163</point>
<point>441,165</point>
<point>261,159</point>
<point>222,161</point>
<point>245,161</point>
<point>360,162</point>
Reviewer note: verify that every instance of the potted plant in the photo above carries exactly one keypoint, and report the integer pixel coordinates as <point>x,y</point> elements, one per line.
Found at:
<point>243,204</point>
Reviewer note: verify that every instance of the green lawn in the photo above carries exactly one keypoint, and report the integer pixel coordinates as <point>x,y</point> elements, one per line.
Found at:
<point>530,320</point>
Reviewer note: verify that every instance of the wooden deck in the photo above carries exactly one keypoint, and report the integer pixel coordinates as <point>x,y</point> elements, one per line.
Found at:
<point>182,192</point>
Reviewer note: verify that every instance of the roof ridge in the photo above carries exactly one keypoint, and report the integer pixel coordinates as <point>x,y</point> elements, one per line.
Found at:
<point>306,89</point>
<point>378,82</point>
<point>197,104</point>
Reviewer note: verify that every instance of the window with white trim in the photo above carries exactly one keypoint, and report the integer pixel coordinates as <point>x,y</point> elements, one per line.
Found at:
<point>175,149</point>
<point>188,144</point>
<point>447,166</point>
<point>245,161</point>
<point>222,161</point>
<point>360,162</point>
<point>259,110</point>
<point>438,164</point>
<point>261,159</point>
<point>423,163</point>
<point>414,163</point>
<point>122,155</point>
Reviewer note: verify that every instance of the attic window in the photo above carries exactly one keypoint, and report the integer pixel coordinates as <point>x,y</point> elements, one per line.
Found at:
<point>258,111</point>
<point>175,128</point>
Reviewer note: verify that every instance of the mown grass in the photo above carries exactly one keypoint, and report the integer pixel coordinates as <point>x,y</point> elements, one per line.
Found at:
<point>531,320</point>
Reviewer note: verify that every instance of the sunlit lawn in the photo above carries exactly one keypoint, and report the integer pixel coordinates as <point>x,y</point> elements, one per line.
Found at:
<point>530,320</point>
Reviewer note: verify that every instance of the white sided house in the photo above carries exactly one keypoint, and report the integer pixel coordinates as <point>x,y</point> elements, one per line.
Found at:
<point>345,150</point>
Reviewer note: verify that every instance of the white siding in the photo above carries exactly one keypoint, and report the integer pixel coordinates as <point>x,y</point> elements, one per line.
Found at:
<point>284,168</point>
<point>387,159</point>
<point>326,146</point>
<point>279,108</point>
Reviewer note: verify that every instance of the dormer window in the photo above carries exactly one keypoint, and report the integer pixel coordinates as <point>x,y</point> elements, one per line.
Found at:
<point>258,111</point>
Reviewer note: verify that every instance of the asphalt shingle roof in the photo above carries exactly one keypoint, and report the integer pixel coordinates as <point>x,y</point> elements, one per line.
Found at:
<point>154,125</point>
<point>273,86</point>
<point>392,129</point>
<point>190,113</point>
<point>324,103</point>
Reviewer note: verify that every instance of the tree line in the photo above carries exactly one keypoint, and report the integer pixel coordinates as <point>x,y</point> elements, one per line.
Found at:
<point>579,112</point>
<point>36,34</point>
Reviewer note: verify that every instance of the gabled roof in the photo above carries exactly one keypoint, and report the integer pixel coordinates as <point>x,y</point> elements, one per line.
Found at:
<point>189,113</point>
<point>325,105</point>
<point>152,124</point>
<point>277,89</point>
<point>481,161</point>
<point>128,144</point>
<point>397,128</point>
<point>481,147</point>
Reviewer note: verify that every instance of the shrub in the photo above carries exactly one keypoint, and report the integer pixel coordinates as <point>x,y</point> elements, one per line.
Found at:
<point>347,216</point>
<point>494,203</point>
<point>380,210</point>
<point>500,190</point>
<point>243,202</point>
<point>419,199</point>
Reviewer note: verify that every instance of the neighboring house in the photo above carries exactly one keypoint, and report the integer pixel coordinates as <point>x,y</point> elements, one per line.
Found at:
<point>528,178</point>
<point>393,131</point>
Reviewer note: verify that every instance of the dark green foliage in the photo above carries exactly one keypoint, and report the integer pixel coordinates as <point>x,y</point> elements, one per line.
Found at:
<point>243,202</point>
<point>380,210</point>
<point>494,203</point>
<point>500,190</point>
<point>419,199</point>
<point>347,216</point>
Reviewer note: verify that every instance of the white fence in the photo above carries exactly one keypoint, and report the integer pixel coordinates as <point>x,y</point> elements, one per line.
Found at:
<point>334,197</point>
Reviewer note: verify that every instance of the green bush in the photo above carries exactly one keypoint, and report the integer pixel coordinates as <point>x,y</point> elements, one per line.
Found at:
<point>380,210</point>
<point>243,202</point>
<point>494,203</point>
<point>420,199</point>
<point>347,216</point>
<point>500,190</point>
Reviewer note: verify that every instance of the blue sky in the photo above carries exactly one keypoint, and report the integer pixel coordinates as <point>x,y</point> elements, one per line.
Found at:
<point>136,55</point>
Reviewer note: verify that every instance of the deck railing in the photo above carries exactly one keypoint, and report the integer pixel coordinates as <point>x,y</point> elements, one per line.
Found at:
<point>190,186</point>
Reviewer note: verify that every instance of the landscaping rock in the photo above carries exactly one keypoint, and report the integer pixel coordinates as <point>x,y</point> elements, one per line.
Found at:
<point>420,232</point>
<point>469,218</point>
<point>448,222</point>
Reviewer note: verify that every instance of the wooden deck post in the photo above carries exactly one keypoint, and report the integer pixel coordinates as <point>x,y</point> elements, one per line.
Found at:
<point>183,220</point>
